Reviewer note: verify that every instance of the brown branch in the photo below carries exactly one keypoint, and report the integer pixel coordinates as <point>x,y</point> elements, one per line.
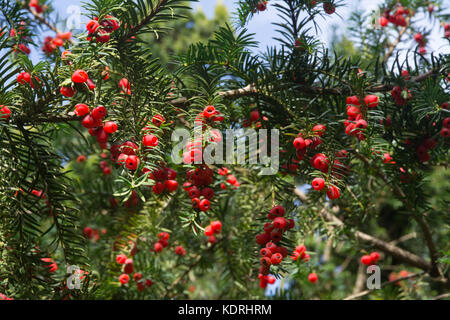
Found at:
<point>42,20</point>
<point>392,46</point>
<point>401,254</point>
<point>366,292</point>
<point>418,218</point>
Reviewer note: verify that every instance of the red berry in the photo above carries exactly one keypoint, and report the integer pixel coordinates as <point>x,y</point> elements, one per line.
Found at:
<point>209,231</point>
<point>333,193</point>
<point>110,127</point>
<point>299,143</point>
<point>209,111</point>
<point>312,277</point>
<point>150,140</point>
<point>80,76</point>
<point>319,129</point>
<point>171,185</point>
<point>446,123</point>
<point>318,184</point>
<point>272,247</point>
<point>158,188</point>
<point>371,101</point>
<point>265,252</point>
<point>179,250</point>
<point>88,122</point>
<point>68,92</point>
<point>216,226</point>
<point>4,112</point>
<point>132,162</point>
<point>81,109</point>
<point>366,259</point>
<point>277,211</point>
<point>375,256</point>
<point>158,247</point>
<point>276,258</point>
<point>99,112</point>
<point>279,223</point>
<point>204,205</point>
<point>124,278</point>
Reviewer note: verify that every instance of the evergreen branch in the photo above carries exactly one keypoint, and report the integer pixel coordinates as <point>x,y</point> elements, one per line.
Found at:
<point>391,47</point>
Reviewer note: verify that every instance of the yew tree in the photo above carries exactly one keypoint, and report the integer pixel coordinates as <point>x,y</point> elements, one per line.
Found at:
<point>96,204</point>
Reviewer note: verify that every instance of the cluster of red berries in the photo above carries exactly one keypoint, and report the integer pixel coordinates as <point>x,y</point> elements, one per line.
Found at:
<point>80,80</point>
<point>445,131</point>
<point>22,47</point>
<point>165,179</point>
<point>194,149</point>
<point>370,259</point>
<point>25,77</point>
<point>401,96</point>
<point>93,234</point>
<point>424,147</point>
<point>93,120</point>
<point>106,169</point>
<point>215,227</point>
<point>418,37</point>
<point>5,112</point>
<point>355,122</point>
<point>271,254</point>
<point>51,44</point>
<point>101,30</point>
<point>229,179</point>
<point>162,242</point>
<point>124,278</point>
<point>398,17</point>
<point>300,253</point>
<point>393,276</point>
<point>265,279</point>
<point>197,188</point>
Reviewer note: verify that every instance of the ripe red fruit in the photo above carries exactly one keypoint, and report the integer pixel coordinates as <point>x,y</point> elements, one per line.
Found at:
<point>23,77</point>
<point>329,8</point>
<point>262,238</point>
<point>171,185</point>
<point>110,127</point>
<point>163,236</point>
<point>150,140</point>
<point>209,111</point>
<point>446,123</point>
<point>319,129</point>
<point>204,205</point>
<point>209,231</point>
<point>68,92</point>
<point>333,192</point>
<point>375,256</point>
<point>366,259</point>
<point>158,247</point>
<point>92,26</point>
<point>88,122</point>
<point>132,162</point>
<point>124,278</point>
<point>4,112</point>
<point>279,223</point>
<point>383,21</point>
<point>124,84</point>
<point>312,277</point>
<point>299,143</point>
<point>81,109</point>
<point>445,133</point>
<point>158,188</point>
<point>157,120</point>
<point>99,112</point>
<point>353,101</point>
<point>276,258</point>
<point>318,184</point>
<point>80,76</point>
<point>265,252</point>
<point>277,211</point>
<point>371,101</point>
<point>179,250</point>
<point>216,226</point>
<point>272,247</point>
<point>128,266</point>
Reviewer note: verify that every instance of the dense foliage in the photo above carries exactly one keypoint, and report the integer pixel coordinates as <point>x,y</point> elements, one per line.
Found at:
<point>88,178</point>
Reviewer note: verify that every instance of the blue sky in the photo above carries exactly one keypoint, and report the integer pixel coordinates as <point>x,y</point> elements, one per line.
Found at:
<point>264,31</point>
